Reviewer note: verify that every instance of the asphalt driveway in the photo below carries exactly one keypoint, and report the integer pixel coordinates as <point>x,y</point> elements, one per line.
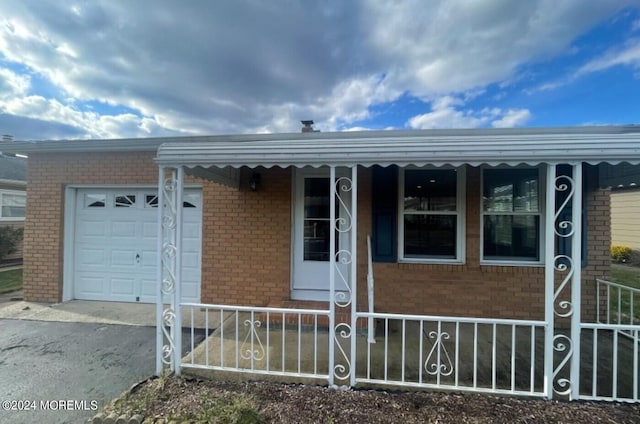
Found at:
<point>68,361</point>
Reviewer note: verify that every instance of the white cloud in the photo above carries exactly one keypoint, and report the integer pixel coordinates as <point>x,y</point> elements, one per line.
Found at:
<point>86,124</point>
<point>12,84</point>
<point>453,47</point>
<point>512,118</point>
<point>235,67</point>
<point>629,55</point>
<point>445,113</point>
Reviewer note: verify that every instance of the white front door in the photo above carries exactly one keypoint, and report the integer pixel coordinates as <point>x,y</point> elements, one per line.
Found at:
<point>311,234</point>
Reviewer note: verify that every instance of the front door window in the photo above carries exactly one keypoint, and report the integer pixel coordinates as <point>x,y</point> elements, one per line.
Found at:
<point>316,219</point>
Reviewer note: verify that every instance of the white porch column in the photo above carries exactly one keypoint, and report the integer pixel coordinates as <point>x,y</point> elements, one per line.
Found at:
<point>354,269</point>
<point>549,279</point>
<point>576,278</point>
<point>563,299</point>
<point>342,278</point>
<point>169,274</point>
<point>332,273</point>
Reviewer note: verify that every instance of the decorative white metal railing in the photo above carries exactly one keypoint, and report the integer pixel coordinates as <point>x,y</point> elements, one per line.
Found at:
<point>610,363</point>
<point>617,303</point>
<point>467,354</point>
<point>274,341</point>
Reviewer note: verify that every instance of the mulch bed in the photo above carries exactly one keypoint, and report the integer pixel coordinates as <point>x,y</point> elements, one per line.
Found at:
<point>287,403</point>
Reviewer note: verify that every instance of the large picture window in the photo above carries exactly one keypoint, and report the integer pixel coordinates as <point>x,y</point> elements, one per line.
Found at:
<point>12,205</point>
<point>511,215</point>
<point>431,215</point>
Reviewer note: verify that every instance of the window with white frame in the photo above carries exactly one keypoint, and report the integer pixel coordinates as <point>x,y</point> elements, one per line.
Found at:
<point>431,215</point>
<point>512,215</point>
<point>12,205</point>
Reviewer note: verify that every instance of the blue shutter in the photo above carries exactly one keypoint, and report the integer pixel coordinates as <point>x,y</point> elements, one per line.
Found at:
<point>384,210</point>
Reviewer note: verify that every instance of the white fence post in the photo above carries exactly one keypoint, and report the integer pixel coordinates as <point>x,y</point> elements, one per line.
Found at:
<point>177,293</point>
<point>549,278</point>
<point>332,273</point>
<point>576,286</point>
<point>353,280</point>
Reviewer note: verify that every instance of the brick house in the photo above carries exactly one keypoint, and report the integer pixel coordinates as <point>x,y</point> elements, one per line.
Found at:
<point>13,184</point>
<point>459,219</point>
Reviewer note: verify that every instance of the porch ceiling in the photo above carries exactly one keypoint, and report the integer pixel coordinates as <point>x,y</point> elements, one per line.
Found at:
<point>530,146</point>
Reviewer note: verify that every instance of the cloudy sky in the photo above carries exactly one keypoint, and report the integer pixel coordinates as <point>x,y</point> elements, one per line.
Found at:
<point>116,68</point>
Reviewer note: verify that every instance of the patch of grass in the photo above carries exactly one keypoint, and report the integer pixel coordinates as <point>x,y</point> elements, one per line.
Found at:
<point>181,400</point>
<point>623,301</point>
<point>627,275</point>
<point>10,280</point>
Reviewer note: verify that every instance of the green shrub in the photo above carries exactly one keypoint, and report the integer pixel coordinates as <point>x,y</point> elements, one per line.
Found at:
<point>620,254</point>
<point>9,239</point>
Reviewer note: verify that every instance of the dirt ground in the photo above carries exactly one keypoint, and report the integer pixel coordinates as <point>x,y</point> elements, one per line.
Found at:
<point>193,400</point>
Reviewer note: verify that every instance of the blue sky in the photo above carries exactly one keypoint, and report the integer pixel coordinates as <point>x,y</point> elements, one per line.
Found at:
<point>114,68</point>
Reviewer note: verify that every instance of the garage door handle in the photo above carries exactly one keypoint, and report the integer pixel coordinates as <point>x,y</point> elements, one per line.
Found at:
<point>137,257</point>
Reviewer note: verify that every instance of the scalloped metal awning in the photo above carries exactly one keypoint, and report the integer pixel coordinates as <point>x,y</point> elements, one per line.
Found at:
<point>531,146</point>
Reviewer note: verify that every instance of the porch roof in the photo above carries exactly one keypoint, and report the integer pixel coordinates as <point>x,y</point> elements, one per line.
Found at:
<point>475,147</point>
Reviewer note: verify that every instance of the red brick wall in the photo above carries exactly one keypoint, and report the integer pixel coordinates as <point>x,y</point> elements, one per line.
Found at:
<point>245,235</point>
<point>44,233</point>
<point>473,289</point>
<point>246,240</point>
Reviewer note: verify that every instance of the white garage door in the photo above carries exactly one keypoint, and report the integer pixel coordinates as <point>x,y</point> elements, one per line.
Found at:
<point>115,250</point>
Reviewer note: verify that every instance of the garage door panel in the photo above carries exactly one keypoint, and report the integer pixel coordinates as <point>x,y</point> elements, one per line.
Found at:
<point>189,291</point>
<point>123,286</point>
<point>90,257</point>
<point>150,230</point>
<point>125,230</point>
<point>89,285</point>
<point>115,254</point>
<point>123,258</point>
<point>190,230</point>
<point>149,259</point>
<point>91,228</point>
<point>190,260</point>
<point>149,290</point>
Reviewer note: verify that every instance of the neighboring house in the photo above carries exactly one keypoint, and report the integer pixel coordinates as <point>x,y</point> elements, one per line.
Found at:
<point>624,180</point>
<point>457,217</point>
<point>13,196</point>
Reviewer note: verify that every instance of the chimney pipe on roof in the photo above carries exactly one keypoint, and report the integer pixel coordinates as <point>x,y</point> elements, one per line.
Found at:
<point>308,126</point>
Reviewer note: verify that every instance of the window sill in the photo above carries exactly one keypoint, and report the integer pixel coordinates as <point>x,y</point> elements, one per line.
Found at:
<point>512,263</point>
<point>18,219</point>
<point>431,261</point>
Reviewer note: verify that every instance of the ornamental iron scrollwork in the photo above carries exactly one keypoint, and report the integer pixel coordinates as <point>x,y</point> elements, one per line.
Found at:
<point>563,263</point>
<point>434,364</point>
<point>344,220</point>
<point>342,370</point>
<point>562,343</point>
<point>342,297</point>
<point>252,347</point>
<point>168,320</point>
<point>168,257</point>
<point>343,260</point>
<point>564,228</point>
<point>564,348</point>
